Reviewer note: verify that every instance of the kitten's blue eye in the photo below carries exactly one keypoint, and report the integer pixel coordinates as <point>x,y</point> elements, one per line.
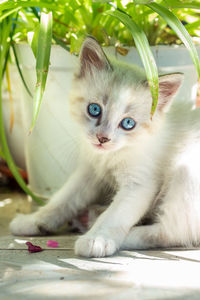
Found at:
<point>127,123</point>
<point>94,110</point>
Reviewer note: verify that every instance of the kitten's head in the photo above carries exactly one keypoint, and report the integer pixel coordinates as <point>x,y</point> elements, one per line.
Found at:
<point>111,100</point>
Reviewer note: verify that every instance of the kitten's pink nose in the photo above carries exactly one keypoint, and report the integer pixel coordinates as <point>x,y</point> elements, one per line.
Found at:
<point>102,139</point>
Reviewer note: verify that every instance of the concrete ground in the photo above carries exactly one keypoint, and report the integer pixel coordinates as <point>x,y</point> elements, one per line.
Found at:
<point>59,274</point>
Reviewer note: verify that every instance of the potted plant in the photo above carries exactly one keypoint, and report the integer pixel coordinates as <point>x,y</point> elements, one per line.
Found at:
<point>113,24</point>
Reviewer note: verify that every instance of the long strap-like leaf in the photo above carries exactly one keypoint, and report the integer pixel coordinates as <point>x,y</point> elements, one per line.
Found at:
<point>180,30</point>
<point>182,4</point>
<point>51,5</point>
<point>5,29</point>
<point>42,61</point>
<point>9,159</point>
<point>20,70</point>
<point>145,53</point>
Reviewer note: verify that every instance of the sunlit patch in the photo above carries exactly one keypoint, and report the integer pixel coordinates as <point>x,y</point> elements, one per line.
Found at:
<point>5,202</point>
<point>29,198</point>
<point>19,241</point>
<point>150,269</point>
<point>11,246</point>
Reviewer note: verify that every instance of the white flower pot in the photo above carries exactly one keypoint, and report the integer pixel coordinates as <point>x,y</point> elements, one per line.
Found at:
<point>169,59</point>
<point>51,150</point>
<point>16,136</point>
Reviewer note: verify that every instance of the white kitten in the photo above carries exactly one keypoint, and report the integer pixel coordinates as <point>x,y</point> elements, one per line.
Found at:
<point>152,166</point>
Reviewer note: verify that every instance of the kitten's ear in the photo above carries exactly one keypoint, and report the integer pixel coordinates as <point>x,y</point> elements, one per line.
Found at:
<point>168,87</point>
<point>92,56</point>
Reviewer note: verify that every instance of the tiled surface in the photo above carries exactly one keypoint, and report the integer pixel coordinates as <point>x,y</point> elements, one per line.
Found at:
<point>58,274</point>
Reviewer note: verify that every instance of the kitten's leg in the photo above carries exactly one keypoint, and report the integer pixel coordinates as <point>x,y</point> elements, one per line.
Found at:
<point>178,216</point>
<point>74,196</point>
<point>146,237</point>
<point>110,229</point>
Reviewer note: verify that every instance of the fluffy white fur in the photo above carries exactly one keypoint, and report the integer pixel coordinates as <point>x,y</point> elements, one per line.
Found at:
<point>153,169</point>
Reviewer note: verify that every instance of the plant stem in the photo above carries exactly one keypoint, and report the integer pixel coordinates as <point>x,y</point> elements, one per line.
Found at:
<point>10,98</point>
<point>8,156</point>
<point>5,32</point>
<point>20,71</point>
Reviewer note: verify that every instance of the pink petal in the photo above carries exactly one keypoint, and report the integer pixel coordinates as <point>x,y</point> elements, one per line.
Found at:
<point>52,244</point>
<point>33,248</point>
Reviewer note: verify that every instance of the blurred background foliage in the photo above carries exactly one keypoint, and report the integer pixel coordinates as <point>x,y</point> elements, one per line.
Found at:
<point>72,20</point>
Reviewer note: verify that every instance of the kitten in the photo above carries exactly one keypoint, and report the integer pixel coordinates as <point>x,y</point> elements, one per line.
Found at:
<point>150,164</point>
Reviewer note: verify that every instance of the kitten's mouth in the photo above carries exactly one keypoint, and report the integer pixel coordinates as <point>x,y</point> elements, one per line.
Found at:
<point>99,146</point>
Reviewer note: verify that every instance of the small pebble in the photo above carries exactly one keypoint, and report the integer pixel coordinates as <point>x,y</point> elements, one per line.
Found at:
<point>52,244</point>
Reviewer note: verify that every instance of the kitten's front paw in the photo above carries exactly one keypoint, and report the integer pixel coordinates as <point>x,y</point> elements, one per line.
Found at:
<point>27,225</point>
<point>95,246</point>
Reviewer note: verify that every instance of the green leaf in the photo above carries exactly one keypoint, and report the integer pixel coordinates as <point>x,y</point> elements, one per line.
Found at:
<point>61,43</point>
<point>10,4</point>
<point>33,39</point>
<point>2,155</point>
<point>5,33</point>
<point>145,53</point>
<point>179,29</point>
<point>142,1</point>
<point>42,61</point>
<point>193,26</point>
<point>181,4</point>
<point>75,4</point>
<point>20,71</point>
<point>102,1</point>
<point>9,12</point>
<point>8,157</point>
